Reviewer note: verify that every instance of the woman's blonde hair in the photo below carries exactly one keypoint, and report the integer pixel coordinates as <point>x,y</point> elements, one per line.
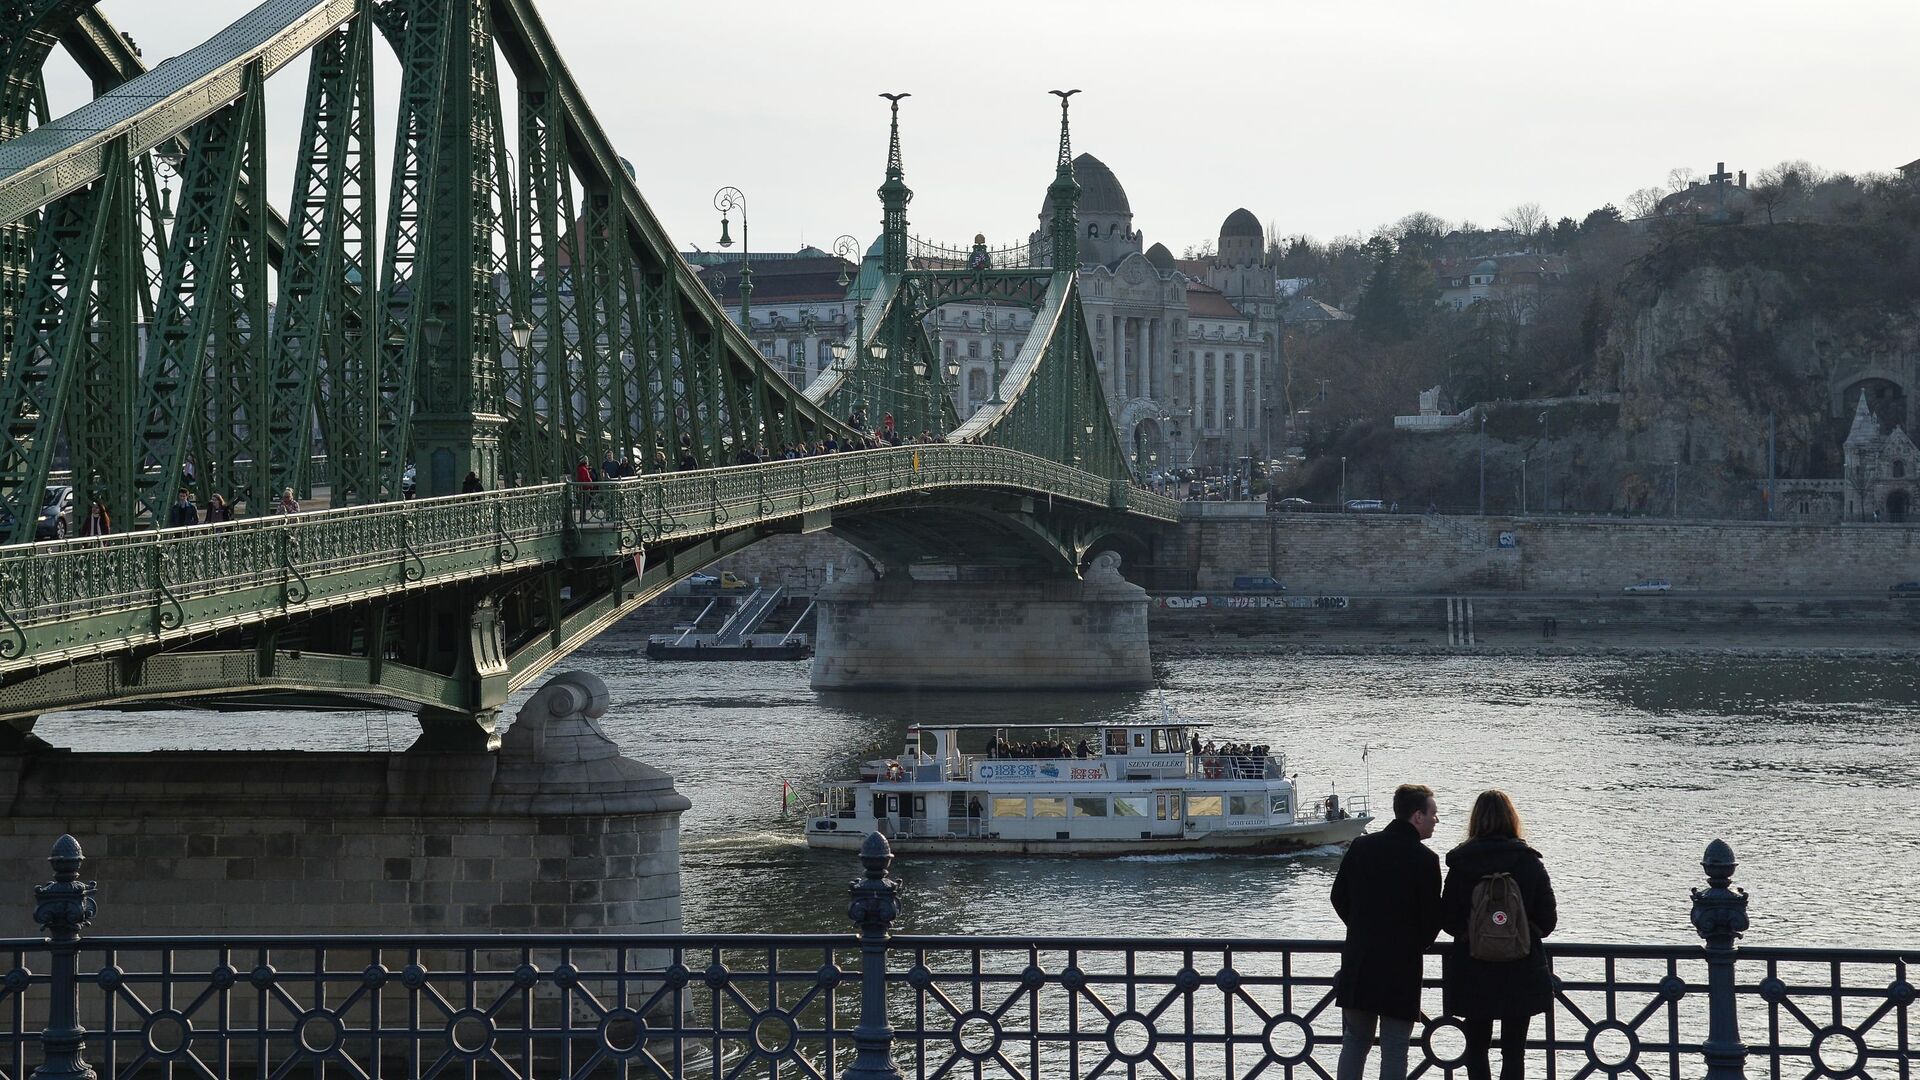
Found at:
<point>1494,818</point>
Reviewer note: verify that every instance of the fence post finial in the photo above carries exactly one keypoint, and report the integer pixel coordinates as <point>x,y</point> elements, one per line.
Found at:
<point>1720,917</point>
<point>876,902</point>
<point>63,907</point>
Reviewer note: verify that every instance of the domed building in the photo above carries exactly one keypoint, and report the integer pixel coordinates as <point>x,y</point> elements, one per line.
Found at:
<point>1185,348</point>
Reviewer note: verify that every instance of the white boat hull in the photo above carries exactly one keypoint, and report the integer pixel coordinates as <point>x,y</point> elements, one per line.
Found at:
<point>1250,841</point>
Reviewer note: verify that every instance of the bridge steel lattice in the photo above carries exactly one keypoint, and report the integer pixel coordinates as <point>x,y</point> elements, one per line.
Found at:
<point>520,311</point>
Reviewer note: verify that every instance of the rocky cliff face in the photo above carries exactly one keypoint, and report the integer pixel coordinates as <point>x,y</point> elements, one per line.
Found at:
<point>1719,328</point>
<point>1714,329</point>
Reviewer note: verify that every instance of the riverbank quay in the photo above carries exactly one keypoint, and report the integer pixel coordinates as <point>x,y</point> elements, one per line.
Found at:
<point>1418,554</point>
<point>1543,624</point>
<point>869,1004</point>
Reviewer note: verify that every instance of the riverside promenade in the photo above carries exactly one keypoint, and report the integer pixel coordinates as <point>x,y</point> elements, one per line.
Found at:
<point>870,1004</point>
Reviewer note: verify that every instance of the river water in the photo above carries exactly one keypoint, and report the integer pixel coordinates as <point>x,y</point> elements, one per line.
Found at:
<point>1623,769</point>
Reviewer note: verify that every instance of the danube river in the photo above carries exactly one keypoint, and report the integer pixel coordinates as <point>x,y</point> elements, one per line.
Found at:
<point>1623,769</point>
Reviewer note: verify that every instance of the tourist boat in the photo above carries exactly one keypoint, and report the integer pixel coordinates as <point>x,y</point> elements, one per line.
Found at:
<point>1121,789</point>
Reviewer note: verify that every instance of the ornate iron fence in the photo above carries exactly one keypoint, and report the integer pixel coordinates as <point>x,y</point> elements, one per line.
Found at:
<point>871,1005</point>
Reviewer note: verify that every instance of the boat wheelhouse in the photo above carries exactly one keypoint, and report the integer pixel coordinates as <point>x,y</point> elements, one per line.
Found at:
<point>1118,788</point>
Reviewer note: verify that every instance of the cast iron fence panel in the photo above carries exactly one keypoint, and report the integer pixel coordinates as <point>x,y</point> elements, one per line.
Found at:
<point>873,1006</point>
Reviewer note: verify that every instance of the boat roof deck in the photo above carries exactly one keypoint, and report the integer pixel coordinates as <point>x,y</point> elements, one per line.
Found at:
<point>1062,724</point>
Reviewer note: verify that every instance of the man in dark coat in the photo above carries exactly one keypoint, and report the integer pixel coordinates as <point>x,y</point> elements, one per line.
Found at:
<point>1388,894</point>
<point>1482,991</point>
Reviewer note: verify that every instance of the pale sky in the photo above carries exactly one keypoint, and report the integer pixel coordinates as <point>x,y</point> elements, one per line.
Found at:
<point>1321,117</point>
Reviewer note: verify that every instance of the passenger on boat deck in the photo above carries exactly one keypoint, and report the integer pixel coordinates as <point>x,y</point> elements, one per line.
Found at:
<point>1210,747</point>
<point>1196,743</point>
<point>1083,750</point>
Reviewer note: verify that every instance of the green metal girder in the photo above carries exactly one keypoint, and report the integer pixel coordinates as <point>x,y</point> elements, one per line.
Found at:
<point>209,261</point>
<point>325,307</point>
<point>63,304</point>
<point>418,31</point>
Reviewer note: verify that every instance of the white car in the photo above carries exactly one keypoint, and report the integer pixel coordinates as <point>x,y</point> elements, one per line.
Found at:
<point>1649,585</point>
<point>700,580</point>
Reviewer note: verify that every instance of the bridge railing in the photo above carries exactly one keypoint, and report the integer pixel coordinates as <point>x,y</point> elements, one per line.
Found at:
<point>64,599</point>
<point>870,1004</point>
<point>653,507</point>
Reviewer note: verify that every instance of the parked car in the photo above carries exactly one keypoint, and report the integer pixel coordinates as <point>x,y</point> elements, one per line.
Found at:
<point>1906,590</point>
<point>1651,585</point>
<point>56,514</point>
<point>1260,583</point>
<point>1293,503</point>
<point>702,580</point>
<point>1366,506</point>
<point>729,581</point>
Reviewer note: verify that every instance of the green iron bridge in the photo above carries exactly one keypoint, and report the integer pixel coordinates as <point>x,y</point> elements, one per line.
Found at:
<point>519,312</point>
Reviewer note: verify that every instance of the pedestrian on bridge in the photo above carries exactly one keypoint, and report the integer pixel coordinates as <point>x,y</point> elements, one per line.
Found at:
<point>182,513</point>
<point>99,522</point>
<point>472,485</point>
<point>218,509</point>
<point>288,504</point>
<point>1387,892</point>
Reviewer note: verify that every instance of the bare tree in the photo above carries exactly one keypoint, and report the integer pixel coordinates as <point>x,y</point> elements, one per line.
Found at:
<point>1785,186</point>
<point>1202,250</point>
<point>1418,222</point>
<point>1680,178</point>
<point>1645,202</point>
<point>1524,219</point>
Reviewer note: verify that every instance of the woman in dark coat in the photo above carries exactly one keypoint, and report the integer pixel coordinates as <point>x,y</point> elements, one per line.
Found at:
<point>1479,992</point>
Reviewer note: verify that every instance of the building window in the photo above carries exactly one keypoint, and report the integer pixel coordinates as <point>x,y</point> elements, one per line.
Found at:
<point>977,384</point>
<point>946,349</point>
<point>973,350</point>
<point>825,353</point>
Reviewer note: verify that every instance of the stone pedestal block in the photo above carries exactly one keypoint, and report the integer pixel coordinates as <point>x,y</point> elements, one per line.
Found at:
<point>897,633</point>
<point>557,831</point>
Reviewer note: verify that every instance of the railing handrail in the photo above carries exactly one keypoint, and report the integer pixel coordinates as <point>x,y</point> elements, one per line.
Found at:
<point>1667,1007</point>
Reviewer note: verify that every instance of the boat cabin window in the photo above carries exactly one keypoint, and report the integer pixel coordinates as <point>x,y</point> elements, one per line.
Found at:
<point>1243,805</point>
<point>1049,806</point>
<point>1278,805</point>
<point>1116,741</point>
<point>1131,806</point>
<point>1160,741</point>
<point>1009,806</point>
<point>1139,740</point>
<point>1089,806</point>
<point>1203,806</point>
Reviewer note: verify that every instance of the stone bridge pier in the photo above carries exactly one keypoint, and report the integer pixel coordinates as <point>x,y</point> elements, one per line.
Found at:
<point>556,832</point>
<point>898,632</point>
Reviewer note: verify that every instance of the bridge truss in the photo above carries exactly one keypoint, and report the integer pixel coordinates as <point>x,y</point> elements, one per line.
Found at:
<point>520,310</point>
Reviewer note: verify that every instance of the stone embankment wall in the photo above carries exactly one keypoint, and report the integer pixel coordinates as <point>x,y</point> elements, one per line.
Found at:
<point>1386,553</point>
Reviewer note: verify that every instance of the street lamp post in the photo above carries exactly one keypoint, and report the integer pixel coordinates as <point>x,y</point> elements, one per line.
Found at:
<point>1483,463</point>
<point>997,357</point>
<point>727,200</point>
<point>1343,483</point>
<point>1523,487</point>
<point>1676,491</point>
<point>1546,470</point>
